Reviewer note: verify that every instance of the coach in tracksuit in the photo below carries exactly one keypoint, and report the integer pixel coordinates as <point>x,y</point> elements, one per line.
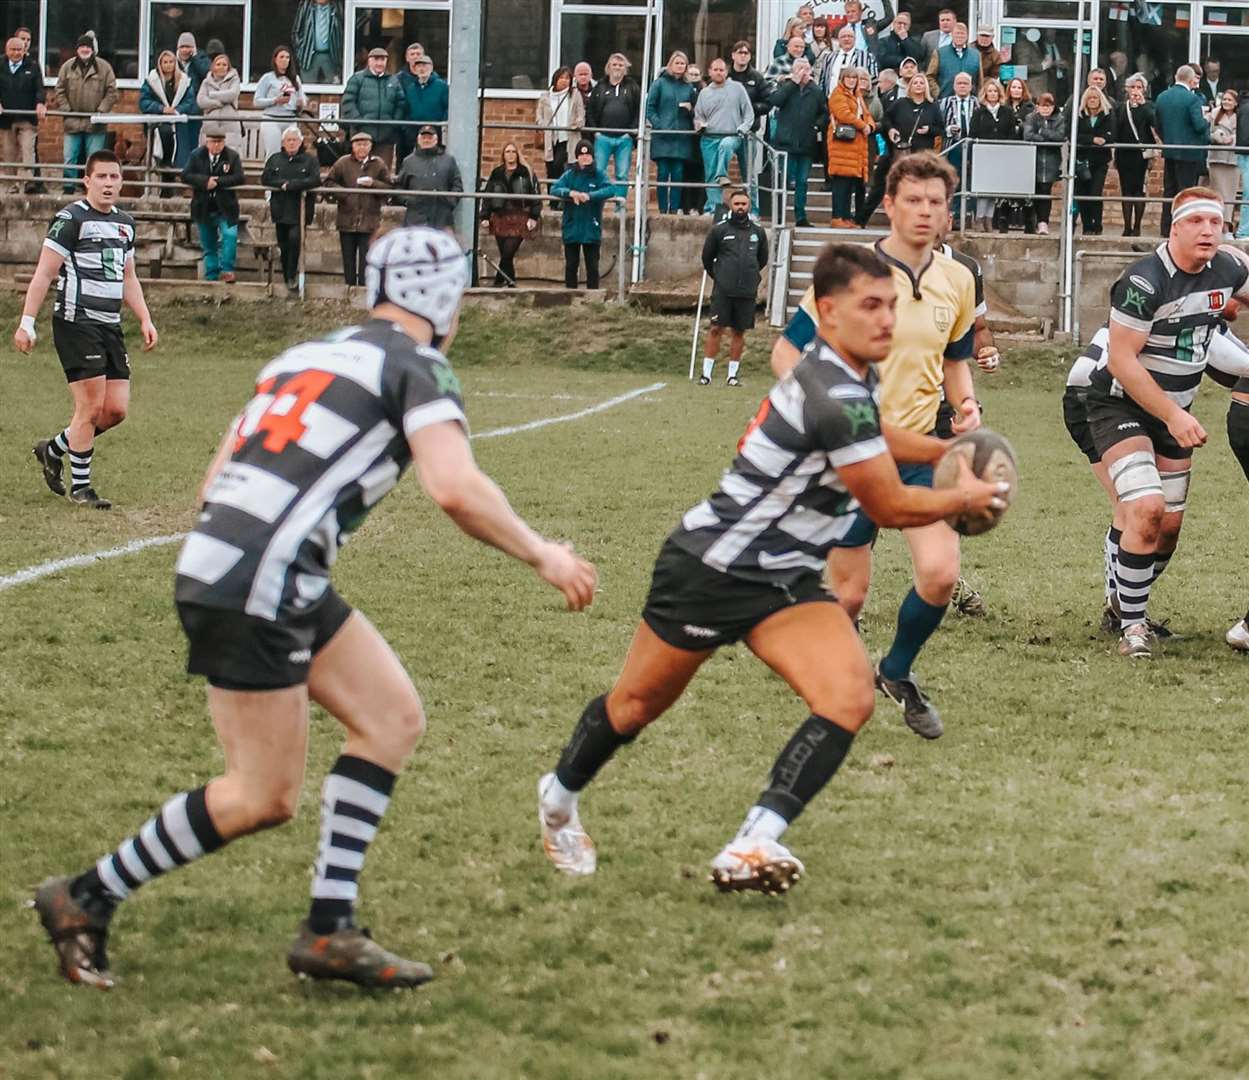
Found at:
<point>734,255</point>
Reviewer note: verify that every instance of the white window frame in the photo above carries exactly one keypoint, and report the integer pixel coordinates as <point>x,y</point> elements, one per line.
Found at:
<point>122,84</point>
<point>349,32</point>
<point>559,9</point>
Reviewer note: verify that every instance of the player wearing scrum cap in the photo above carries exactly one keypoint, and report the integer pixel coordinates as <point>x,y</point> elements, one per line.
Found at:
<point>332,426</point>
<point>1164,310</point>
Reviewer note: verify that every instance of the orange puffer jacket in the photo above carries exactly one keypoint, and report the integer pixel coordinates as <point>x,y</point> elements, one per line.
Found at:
<point>848,158</point>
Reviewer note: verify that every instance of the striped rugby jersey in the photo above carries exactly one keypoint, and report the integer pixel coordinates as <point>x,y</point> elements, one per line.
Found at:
<point>781,505</point>
<point>96,248</point>
<point>322,441</point>
<point>1179,311</point>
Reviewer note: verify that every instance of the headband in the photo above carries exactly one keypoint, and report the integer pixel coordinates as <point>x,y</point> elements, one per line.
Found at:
<point>1197,206</point>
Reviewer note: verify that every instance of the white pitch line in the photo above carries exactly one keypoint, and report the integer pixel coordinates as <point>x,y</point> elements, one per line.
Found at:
<point>72,562</point>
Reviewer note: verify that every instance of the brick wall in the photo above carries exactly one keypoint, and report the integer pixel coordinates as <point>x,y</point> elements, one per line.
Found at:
<point>510,111</point>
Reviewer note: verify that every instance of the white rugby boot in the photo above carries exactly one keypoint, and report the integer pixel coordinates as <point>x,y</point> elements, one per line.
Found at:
<point>758,864</point>
<point>563,839</point>
<point>1238,636</point>
<point>1137,641</point>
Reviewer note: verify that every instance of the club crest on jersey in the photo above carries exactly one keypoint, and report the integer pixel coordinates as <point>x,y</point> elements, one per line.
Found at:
<point>943,317</point>
<point>1217,300</point>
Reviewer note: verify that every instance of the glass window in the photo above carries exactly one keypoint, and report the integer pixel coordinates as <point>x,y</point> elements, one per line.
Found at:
<point>274,23</point>
<point>215,26</point>
<point>705,29</point>
<point>25,13</point>
<point>517,46</point>
<point>1041,9</point>
<point>1154,47</point>
<point>595,37</point>
<point>116,26</point>
<point>1231,51</point>
<point>1044,58</point>
<point>1216,17</point>
<point>394,29</point>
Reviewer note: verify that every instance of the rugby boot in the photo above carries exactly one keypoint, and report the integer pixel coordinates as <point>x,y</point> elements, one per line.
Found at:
<point>52,466</point>
<point>966,600</point>
<point>703,380</point>
<point>756,864</point>
<point>563,839</point>
<point>87,497</point>
<point>919,713</point>
<point>1238,635</point>
<point>1162,630</point>
<point>78,937</point>
<point>732,380</point>
<point>1137,641</point>
<point>351,954</point>
<point>1110,620</point>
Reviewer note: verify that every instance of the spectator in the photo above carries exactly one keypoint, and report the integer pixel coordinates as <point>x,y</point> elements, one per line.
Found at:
<point>280,93</point>
<point>782,66</point>
<point>913,122</point>
<point>994,120</point>
<point>166,92</point>
<point>23,34</point>
<point>896,44</point>
<point>734,255</point>
<point>429,168</point>
<point>846,55</point>
<point>951,60</point>
<point>583,80</point>
<point>887,89</point>
<point>936,40</point>
<point>794,27</point>
<point>584,188</point>
<point>358,215</point>
<point>218,100</point>
<point>801,117</point>
<point>1094,130</point>
<point>194,63</point>
<point>371,94</point>
<point>854,20</point>
<point>670,107</point>
<point>694,198</point>
<point>426,95</point>
<point>756,86</point>
<point>1242,161</point>
<point>85,84</point>
<point>849,126</point>
<point>1134,123</point>
<point>1046,125</point>
<point>1221,162</point>
<point>821,40</point>
<point>509,221</point>
<point>872,101</point>
<point>723,114</point>
<point>561,114</point>
<point>290,174</point>
<point>318,39</point>
<point>1182,126</point>
<point>1210,87</point>
<point>956,114</point>
<point>990,55</point>
<point>1019,98</point>
<point>214,170</point>
<point>1116,73</point>
<point>21,92</point>
<point>615,105</point>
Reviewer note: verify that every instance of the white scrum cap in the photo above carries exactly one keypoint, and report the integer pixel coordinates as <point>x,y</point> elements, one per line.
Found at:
<point>422,270</point>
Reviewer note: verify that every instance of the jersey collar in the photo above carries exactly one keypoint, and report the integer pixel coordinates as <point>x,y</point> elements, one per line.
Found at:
<point>915,279</point>
<point>826,352</point>
<point>1164,256</point>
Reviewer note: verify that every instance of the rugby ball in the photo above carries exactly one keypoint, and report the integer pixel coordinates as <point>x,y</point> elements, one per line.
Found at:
<point>991,457</point>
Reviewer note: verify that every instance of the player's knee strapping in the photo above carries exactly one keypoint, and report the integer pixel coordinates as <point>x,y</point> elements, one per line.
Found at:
<point>1175,489</point>
<point>593,742</point>
<point>1135,476</point>
<point>807,763</point>
<point>1238,433</point>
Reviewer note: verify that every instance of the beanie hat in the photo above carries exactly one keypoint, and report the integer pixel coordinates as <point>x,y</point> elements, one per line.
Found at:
<point>186,38</point>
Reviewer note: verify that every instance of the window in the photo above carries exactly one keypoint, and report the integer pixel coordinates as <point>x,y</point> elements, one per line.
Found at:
<point>595,37</point>
<point>1045,59</point>
<point>1155,47</point>
<point>705,29</point>
<point>25,13</point>
<point>1041,9</point>
<point>215,26</point>
<point>315,29</point>
<point>394,29</point>
<point>517,45</point>
<point>116,26</point>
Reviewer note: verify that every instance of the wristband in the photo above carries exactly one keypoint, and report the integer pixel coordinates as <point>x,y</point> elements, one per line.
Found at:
<point>28,324</point>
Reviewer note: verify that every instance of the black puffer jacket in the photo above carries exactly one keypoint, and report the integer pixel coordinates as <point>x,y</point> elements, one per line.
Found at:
<point>521,182</point>
<point>288,178</point>
<point>734,255</point>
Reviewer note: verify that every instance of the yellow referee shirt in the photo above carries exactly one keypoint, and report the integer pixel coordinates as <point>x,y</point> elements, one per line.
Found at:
<point>935,322</point>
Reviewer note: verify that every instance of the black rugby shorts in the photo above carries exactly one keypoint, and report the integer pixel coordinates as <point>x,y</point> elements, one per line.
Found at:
<point>1113,420</point>
<point>1076,419</point>
<point>733,312</point>
<point>90,350</point>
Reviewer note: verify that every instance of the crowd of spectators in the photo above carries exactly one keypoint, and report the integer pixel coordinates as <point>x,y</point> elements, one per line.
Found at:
<point>848,92</point>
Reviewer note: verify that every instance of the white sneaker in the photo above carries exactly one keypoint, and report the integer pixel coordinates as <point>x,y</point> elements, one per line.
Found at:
<point>1238,636</point>
<point>563,839</point>
<point>755,863</point>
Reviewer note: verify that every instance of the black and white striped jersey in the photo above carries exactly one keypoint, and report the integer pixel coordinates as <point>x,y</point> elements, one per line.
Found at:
<point>977,274</point>
<point>1082,368</point>
<point>322,441</point>
<point>781,505</point>
<point>1179,311</point>
<point>96,247</point>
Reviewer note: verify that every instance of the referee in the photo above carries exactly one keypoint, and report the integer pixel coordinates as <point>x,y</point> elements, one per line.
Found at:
<point>89,253</point>
<point>734,255</point>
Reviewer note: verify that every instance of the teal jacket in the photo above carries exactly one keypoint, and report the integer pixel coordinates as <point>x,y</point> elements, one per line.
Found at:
<point>664,113</point>
<point>373,97</point>
<point>583,222</point>
<point>1177,112</point>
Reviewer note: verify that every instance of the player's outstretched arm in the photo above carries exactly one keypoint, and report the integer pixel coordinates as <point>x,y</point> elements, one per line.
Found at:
<point>46,272</point>
<point>132,294</point>
<point>892,504</point>
<point>1124,349</point>
<point>446,469</point>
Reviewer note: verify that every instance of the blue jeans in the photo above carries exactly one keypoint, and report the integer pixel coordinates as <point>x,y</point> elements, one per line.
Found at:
<point>668,170</point>
<point>744,151</point>
<point>1242,230</point>
<point>796,177</point>
<point>220,241</point>
<point>718,151</point>
<point>619,147</point>
<point>79,146</point>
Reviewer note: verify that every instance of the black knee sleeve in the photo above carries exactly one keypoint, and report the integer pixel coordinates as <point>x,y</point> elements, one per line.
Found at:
<point>593,742</point>
<point>1238,433</point>
<point>807,763</point>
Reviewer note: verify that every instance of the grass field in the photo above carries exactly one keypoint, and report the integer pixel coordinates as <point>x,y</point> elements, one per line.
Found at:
<point>1057,888</point>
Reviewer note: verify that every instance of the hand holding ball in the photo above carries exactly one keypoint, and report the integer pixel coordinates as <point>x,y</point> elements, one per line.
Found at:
<point>989,458</point>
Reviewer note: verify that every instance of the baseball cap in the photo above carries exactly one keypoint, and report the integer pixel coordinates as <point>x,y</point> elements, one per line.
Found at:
<point>427,129</point>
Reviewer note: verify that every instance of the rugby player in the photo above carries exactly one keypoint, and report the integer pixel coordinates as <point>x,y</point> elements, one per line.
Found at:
<point>1164,310</point>
<point>1238,439</point>
<point>747,564</point>
<point>934,339</point>
<point>332,426</point>
<point>89,253</point>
